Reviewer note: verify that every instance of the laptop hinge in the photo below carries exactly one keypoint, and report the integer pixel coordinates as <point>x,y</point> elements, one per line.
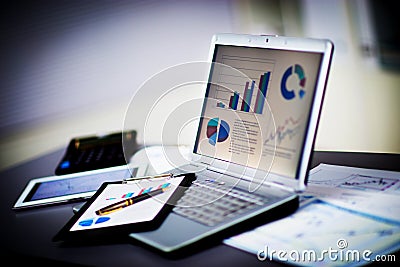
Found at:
<point>226,172</point>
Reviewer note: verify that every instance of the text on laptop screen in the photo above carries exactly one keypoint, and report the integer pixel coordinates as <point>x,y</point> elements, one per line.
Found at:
<point>257,107</point>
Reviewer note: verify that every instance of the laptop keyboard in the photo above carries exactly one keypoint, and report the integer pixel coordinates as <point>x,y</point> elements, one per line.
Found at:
<point>211,202</point>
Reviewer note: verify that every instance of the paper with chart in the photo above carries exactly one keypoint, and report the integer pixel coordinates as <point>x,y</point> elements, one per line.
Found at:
<point>143,211</point>
<point>319,234</point>
<point>341,205</point>
<point>360,179</point>
<point>374,192</point>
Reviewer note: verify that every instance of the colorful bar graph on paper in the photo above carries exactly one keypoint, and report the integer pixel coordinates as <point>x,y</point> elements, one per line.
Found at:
<point>261,93</point>
<point>147,190</point>
<point>127,195</point>
<point>165,185</point>
<point>234,100</point>
<point>142,191</point>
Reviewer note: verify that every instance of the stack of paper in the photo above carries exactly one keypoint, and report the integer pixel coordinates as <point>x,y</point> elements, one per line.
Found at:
<point>348,216</point>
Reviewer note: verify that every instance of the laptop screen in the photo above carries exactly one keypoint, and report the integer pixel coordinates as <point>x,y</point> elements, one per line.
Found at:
<point>257,107</point>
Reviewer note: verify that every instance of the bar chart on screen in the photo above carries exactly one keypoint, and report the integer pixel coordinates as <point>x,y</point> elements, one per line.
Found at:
<point>245,87</point>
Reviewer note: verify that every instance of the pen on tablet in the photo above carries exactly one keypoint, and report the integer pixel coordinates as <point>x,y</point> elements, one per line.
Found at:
<point>130,201</point>
<point>149,177</point>
<point>170,175</point>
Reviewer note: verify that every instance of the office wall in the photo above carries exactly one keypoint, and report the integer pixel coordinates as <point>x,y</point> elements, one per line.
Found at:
<point>361,111</point>
<point>70,68</point>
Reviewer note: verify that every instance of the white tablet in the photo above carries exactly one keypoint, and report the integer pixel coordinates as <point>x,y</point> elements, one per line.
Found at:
<point>72,187</point>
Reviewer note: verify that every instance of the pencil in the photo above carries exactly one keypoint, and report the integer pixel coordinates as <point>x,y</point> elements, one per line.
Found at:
<point>130,201</point>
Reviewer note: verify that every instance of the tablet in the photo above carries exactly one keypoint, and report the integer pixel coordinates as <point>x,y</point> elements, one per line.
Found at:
<point>125,207</point>
<point>79,186</point>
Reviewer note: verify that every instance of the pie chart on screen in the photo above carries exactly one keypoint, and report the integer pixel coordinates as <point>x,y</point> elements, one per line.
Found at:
<point>287,93</point>
<point>217,131</point>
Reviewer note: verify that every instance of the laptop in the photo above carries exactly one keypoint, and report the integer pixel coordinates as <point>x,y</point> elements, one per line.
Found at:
<point>254,141</point>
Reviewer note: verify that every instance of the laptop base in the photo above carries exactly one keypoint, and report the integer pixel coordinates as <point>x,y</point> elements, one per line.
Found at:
<point>152,239</point>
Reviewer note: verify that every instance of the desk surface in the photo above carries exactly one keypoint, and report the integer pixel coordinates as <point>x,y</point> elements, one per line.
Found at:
<point>26,235</point>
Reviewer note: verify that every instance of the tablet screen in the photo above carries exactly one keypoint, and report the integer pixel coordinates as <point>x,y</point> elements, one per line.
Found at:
<point>77,185</point>
<point>72,187</point>
<point>122,207</point>
<point>140,211</point>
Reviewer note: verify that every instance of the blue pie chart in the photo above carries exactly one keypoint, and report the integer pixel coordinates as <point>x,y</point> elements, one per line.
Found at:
<point>290,93</point>
<point>89,222</point>
<point>217,131</point>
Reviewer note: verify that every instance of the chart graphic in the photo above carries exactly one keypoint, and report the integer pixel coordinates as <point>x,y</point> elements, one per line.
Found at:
<point>244,86</point>
<point>217,131</point>
<point>142,191</point>
<point>89,222</point>
<point>130,194</point>
<point>288,129</point>
<point>220,105</point>
<point>290,93</point>
<point>366,182</point>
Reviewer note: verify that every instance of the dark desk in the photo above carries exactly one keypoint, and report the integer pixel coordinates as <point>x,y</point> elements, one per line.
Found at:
<point>26,235</point>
